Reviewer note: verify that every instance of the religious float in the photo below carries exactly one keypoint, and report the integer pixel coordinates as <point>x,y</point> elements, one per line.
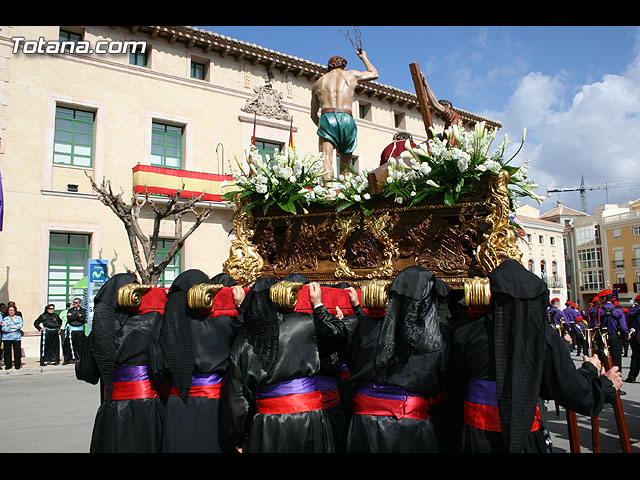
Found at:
<point>445,206</point>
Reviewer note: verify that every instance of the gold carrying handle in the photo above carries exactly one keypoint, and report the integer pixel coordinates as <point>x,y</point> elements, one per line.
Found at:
<point>130,295</point>
<point>284,294</point>
<point>477,292</point>
<point>200,296</point>
<point>375,293</point>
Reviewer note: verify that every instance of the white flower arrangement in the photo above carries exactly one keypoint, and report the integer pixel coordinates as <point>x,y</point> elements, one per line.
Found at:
<point>452,164</point>
<point>285,180</point>
<point>353,188</point>
<point>447,166</point>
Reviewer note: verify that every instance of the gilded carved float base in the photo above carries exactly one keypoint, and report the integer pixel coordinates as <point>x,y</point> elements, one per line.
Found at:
<point>456,243</point>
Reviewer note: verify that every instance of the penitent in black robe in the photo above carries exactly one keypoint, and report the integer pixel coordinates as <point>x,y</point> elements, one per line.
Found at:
<point>538,358</point>
<point>50,337</point>
<point>409,335</point>
<point>192,421</point>
<point>282,361</point>
<point>116,354</point>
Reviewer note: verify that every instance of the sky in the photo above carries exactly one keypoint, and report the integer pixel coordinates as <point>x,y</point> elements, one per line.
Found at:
<point>575,89</point>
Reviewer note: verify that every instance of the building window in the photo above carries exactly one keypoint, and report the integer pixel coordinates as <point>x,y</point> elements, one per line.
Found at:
<point>174,268</point>
<point>586,236</point>
<point>543,269</point>
<point>616,233</point>
<point>529,238</point>
<point>67,256</point>
<point>552,240</point>
<point>364,110</point>
<point>73,139</point>
<point>636,230</point>
<point>617,261</point>
<point>541,239</point>
<point>166,145</point>
<point>590,258</point>
<point>198,70</point>
<point>399,120</point>
<point>592,280</point>
<point>138,58</point>
<point>268,148</point>
<point>531,266</point>
<point>67,36</point>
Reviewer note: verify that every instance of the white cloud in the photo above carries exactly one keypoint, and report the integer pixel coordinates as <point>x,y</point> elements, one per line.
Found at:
<point>595,135</point>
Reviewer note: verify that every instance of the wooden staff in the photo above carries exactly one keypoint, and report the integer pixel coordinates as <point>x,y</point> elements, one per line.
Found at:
<point>621,423</point>
<point>572,426</point>
<point>595,421</point>
<point>572,421</point>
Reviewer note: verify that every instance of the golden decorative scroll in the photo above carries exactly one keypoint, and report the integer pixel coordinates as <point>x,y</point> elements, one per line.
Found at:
<point>500,240</point>
<point>344,226</point>
<point>477,292</point>
<point>379,227</point>
<point>375,293</point>
<point>244,263</point>
<point>284,294</point>
<point>200,297</point>
<point>130,295</point>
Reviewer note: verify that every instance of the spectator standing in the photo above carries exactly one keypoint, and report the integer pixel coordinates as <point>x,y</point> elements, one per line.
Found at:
<point>12,338</point>
<point>49,323</point>
<point>634,323</point>
<point>74,332</point>
<point>3,313</point>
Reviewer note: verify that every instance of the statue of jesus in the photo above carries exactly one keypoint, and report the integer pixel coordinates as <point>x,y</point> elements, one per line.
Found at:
<point>332,96</point>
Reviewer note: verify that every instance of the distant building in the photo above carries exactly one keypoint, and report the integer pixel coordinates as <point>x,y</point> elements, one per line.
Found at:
<point>543,250</point>
<point>621,232</point>
<point>607,251</point>
<point>566,216</point>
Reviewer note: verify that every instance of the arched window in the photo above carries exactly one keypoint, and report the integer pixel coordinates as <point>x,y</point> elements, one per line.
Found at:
<point>530,266</point>
<point>543,269</point>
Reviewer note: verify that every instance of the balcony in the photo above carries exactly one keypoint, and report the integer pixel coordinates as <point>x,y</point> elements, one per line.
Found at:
<point>621,287</point>
<point>166,181</point>
<point>554,282</point>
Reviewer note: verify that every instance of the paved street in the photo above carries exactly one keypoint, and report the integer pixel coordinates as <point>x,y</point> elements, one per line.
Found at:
<point>46,410</point>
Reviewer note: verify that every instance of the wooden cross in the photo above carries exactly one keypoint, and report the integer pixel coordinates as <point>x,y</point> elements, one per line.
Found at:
<point>378,176</point>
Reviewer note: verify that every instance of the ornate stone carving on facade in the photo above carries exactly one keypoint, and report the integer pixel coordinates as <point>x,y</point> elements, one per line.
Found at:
<point>267,102</point>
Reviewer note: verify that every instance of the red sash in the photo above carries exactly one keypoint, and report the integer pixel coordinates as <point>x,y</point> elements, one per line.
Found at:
<point>209,391</point>
<point>292,396</point>
<point>481,409</point>
<point>379,400</point>
<point>295,403</point>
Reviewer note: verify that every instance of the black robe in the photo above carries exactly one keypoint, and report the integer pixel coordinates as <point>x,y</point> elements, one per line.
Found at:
<point>74,339</point>
<point>289,354</point>
<point>528,350</point>
<point>117,350</point>
<point>192,420</point>
<point>413,370</point>
<point>49,338</point>
<point>332,337</point>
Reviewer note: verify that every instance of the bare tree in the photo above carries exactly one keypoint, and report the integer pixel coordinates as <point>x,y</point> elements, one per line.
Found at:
<point>143,247</point>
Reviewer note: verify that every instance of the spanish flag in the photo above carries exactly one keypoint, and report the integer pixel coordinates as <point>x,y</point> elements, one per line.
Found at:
<point>253,137</point>
<point>291,134</point>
